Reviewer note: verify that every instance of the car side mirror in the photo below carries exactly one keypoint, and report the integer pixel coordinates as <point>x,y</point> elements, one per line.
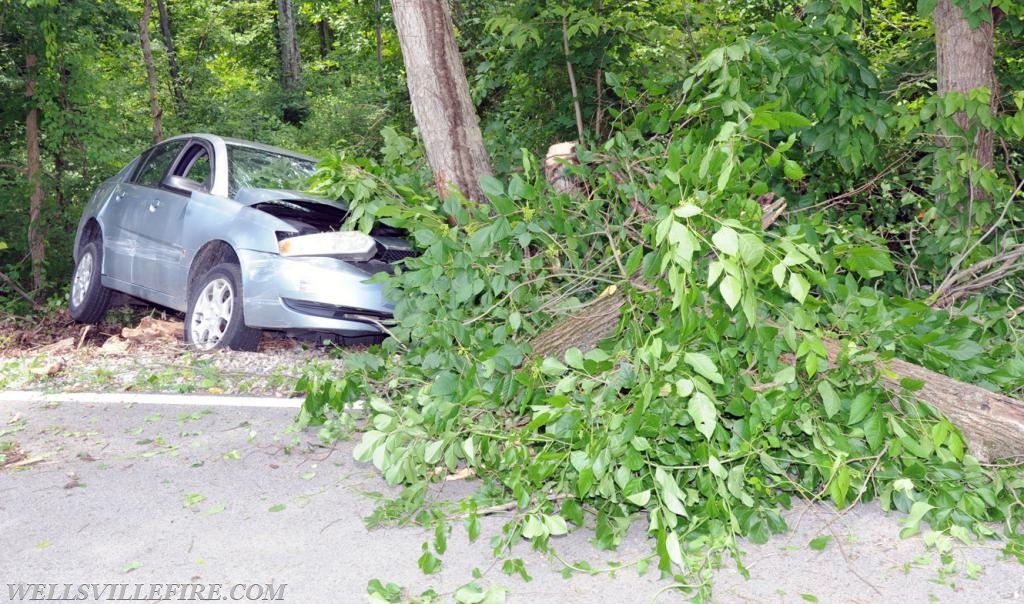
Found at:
<point>180,183</point>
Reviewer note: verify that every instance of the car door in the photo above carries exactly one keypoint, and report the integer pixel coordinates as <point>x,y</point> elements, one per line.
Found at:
<point>150,222</point>
<point>175,246</point>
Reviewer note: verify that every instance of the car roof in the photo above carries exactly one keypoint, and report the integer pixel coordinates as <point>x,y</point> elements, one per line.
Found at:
<point>214,138</point>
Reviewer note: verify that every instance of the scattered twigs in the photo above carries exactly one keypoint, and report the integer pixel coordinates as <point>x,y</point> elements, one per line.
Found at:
<point>862,188</point>
<point>961,283</point>
<point>17,288</point>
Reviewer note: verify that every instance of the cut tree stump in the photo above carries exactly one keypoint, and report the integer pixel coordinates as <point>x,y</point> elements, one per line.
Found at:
<point>992,424</point>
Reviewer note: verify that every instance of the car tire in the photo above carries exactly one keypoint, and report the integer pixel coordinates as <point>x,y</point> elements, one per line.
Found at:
<point>214,318</point>
<point>89,298</point>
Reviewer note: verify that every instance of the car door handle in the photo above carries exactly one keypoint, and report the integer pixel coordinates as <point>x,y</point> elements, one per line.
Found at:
<point>153,205</point>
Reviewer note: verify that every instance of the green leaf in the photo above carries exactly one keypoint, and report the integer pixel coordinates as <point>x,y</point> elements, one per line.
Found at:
<point>675,554</point>
<point>731,289</point>
<point>555,525</point>
<point>809,597</point>
<point>925,8</point>
<point>875,430</point>
<point>779,272</point>
<point>792,170</point>
<point>552,366</point>
<point>911,384</point>
<point>703,365</point>
<point>839,488</point>
<point>433,452</point>
<point>798,287</point>
<point>428,562</point>
<point>217,509</point>
<point>491,186</point>
<point>634,260</point>
<point>751,249</point>
<point>640,499</point>
<point>829,398</point>
<point>791,119</point>
<point>726,240</point>
<point>868,261</point>
<point>574,358</point>
<point>819,543</point>
<point>859,408</point>
<point>702,411</point>
<point>687,210</point>
<point>533,527</point>
<point>279,507</point>
<point>912,523</point>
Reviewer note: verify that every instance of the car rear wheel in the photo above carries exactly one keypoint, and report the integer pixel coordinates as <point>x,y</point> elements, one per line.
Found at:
<point>214,318</point>
<point>89,298</point>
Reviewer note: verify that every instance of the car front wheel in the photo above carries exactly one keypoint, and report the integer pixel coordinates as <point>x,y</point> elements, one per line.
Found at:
<point>214,318</point>
<point>89,298</point>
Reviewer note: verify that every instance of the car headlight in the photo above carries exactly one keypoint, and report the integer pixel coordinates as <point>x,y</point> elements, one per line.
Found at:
<point>344,245</point>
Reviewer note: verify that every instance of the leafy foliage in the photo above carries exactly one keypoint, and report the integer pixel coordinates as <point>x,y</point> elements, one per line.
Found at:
<point>717,402</point>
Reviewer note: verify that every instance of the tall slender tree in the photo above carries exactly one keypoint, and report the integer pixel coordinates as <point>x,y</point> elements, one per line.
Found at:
<point>172,55</point>
<point>155,112</point>
<point>33,172</point>
<point>440,97</point>
<point>289,42</point>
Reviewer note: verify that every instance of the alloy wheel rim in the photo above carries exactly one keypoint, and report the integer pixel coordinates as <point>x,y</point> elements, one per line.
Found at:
<point>83,275</point>
<point>212,314</point>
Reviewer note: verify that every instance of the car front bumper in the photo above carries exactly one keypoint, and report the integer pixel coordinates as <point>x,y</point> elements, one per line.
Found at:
<point>315,294</point>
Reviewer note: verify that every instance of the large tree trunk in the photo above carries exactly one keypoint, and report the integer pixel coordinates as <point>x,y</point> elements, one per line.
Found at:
<point>964,61</point>
<point>147,55</point>
<point>440,97</point>
<point>290,66</point>
<point>172,55</point>
<point>33,172</point>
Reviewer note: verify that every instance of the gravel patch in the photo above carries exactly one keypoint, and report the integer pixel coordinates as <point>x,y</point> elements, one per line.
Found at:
<point>156,360</point>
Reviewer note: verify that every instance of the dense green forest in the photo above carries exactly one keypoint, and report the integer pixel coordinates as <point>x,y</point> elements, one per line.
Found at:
<point>774,204</point>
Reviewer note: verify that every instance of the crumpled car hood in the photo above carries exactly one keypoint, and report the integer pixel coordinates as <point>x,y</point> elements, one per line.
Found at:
<point>250,196</point>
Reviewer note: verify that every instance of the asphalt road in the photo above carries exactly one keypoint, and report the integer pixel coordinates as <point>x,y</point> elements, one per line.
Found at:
<point>138,494</point>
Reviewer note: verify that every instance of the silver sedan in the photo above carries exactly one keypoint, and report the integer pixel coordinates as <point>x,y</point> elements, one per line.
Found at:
<point>213,227</point>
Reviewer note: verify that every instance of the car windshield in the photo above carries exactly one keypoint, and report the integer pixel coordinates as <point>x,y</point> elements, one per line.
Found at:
<point>256,168</point>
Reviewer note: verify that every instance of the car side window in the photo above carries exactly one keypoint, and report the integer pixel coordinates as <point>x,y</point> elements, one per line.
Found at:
<point>156,164</point>
<point>195,165</point>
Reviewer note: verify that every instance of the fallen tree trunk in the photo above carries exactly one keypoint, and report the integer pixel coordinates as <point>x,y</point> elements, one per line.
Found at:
<point>992,424</point>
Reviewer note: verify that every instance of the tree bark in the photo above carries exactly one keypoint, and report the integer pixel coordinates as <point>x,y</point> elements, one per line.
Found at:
<point>440,97</point>
<point>172,55</point>
<point>33,173</point>
<point>324,31</point>
<point>290,65</point>
<point>147,55</point>
<point>964,61</point>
